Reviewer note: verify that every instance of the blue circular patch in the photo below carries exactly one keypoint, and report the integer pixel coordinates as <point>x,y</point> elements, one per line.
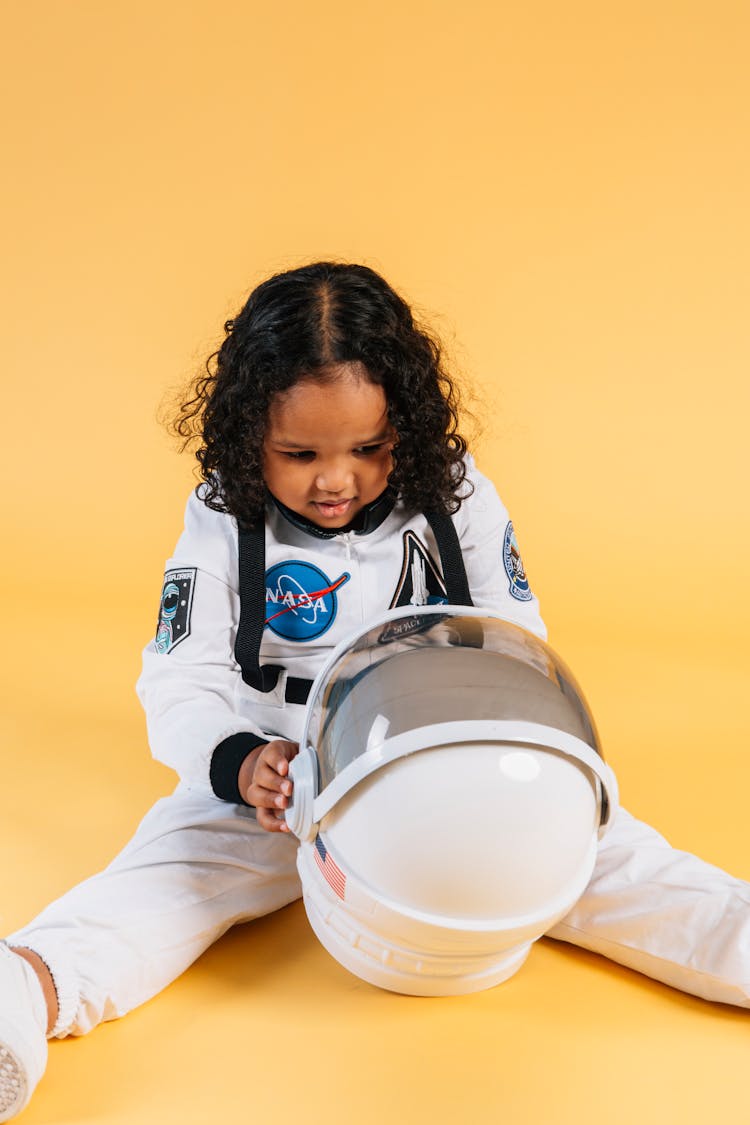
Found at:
<point>301,600</point>
<point>519,583</point>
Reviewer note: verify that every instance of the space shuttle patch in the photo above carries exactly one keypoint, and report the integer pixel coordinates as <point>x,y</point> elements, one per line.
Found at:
<point>420,582</point>
<point>174,609</point>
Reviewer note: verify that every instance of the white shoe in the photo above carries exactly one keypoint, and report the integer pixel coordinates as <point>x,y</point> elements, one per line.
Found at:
<point>23,1026</point>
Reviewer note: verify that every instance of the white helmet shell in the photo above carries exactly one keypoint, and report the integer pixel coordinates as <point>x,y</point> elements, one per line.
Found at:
<point>449,795</point>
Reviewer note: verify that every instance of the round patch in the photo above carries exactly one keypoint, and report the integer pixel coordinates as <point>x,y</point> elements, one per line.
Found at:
<point>301,600</point>
<point>519,583</point>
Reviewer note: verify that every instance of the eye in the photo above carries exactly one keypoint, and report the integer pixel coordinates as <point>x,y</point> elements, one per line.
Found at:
<point>299,454</point>
<point>368,450</point>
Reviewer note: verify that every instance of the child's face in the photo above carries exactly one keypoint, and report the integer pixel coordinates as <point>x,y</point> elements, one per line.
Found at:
<point>327,450</point>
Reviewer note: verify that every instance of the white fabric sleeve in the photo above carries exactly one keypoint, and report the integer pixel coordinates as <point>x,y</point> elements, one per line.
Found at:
<point>189,686</point>
<point>496,577</point>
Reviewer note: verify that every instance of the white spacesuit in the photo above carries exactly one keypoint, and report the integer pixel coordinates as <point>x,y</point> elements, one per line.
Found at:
<point>199,863</point>
<point>320,588</point>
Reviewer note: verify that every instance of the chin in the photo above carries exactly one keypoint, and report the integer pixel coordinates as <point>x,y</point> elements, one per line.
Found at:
<point>333,521</point>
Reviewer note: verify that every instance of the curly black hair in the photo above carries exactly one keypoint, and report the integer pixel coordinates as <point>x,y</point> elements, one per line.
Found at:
<point>302,323</point>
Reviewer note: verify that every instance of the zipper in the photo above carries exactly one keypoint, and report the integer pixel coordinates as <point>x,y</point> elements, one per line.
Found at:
<point>347,538</point>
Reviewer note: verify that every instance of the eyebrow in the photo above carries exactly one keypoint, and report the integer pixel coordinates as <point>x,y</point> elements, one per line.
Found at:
<point>380,437</point>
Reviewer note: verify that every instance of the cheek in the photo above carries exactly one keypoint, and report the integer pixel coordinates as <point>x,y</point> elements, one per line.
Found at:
<point>382,467</point>
<point>275,474</point>
<point>268,471</point>
<point>293,477</point>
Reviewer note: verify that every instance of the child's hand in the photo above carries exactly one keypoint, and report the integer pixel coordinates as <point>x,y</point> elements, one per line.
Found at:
<point>264,782</point>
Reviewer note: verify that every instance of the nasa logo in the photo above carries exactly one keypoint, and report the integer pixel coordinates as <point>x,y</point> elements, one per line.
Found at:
<point>174,609</point>
<point>519,583</point>
<point>301,600</point>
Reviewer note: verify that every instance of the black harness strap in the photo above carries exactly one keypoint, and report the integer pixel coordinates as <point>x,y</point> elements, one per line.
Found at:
<point>252,585</point>
<point>451,558</point>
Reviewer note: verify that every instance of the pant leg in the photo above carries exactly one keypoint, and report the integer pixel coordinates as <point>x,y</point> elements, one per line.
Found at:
<point>665,913</point>
<point>195,867</point>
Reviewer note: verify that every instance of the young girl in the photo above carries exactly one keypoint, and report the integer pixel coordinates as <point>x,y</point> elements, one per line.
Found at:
<point>329,451</point>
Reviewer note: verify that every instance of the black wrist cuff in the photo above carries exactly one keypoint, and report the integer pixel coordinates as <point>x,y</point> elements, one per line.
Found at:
<point>225,765</point>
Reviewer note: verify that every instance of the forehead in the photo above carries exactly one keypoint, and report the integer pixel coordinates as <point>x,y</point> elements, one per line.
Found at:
<point>348,406</point>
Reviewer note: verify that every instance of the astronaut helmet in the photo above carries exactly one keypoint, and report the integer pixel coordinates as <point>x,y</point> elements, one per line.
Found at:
<point>449,795</point>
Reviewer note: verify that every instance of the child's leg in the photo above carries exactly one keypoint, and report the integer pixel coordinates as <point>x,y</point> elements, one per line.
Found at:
<point>44,976</point>
<point>195,866</point>
<point>665,913</point>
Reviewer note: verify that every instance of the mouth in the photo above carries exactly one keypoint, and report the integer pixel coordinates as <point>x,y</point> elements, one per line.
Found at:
<point>332,509</point>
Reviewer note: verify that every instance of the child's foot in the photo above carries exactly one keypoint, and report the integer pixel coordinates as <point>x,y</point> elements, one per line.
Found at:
<point>23,1040</point>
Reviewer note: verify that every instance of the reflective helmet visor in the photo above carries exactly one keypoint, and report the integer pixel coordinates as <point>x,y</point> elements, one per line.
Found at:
<point>441,666</point>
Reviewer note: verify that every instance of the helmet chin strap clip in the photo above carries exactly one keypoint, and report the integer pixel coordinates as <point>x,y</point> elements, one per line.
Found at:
<point>303,772</point>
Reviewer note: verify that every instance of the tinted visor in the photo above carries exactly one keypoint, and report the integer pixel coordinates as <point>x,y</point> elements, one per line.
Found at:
<point>440,666</point>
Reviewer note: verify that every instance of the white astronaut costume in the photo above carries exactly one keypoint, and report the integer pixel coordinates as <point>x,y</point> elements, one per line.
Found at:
<point>199,863</point>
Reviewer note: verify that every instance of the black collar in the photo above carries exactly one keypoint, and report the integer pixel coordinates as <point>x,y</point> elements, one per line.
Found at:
<point>368,519</point>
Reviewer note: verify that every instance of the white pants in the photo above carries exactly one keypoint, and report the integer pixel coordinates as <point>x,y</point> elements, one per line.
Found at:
<point>197,865</point>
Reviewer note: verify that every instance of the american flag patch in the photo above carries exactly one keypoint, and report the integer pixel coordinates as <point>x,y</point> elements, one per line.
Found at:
<point>332,873</point>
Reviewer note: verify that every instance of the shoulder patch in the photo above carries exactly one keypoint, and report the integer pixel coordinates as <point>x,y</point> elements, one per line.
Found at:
<point>301,601</point>
<point>175,609</point>
<point>420,581</point>
<point>519,583</point>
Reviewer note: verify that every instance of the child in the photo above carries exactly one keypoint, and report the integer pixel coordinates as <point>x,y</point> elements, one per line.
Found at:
<point>329,452</point>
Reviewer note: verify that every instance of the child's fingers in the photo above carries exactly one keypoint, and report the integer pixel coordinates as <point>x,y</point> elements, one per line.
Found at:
<point>271,819</point>
<point>269,791</point>
<point>271,788</point>
<point>266,777</point>
<point>278,754</point>
<point>273,766</point>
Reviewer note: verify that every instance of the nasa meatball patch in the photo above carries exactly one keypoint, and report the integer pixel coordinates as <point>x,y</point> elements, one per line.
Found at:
<point>519,583</point>
<point>301,600</point>
<point>174,609</point>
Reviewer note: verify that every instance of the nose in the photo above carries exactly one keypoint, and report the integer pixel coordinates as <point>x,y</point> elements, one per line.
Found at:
<point>334,476</point>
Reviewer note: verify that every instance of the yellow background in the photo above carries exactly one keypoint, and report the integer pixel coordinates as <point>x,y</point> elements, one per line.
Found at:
<point>562,190</point>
